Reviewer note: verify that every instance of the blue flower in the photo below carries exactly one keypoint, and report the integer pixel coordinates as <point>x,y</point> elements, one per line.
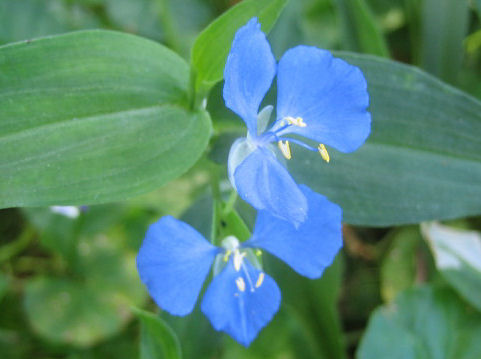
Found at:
<point>319,97</point>
<point>174,261</point>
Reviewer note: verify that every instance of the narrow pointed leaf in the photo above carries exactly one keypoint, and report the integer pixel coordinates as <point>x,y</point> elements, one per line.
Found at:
<point>212,46</point>
<point>361,32</point>
<point>157,339</point>
<point>444,28</point>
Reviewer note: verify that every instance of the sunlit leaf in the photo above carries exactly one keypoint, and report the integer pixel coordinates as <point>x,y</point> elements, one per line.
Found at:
<point>458,257</point>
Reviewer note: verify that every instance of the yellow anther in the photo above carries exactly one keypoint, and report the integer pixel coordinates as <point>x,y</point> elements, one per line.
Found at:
<point>258,252</point>
<point>323,152</point>
<point>260,280</point>
<point>241,285</point>
<point>298,121</point>
<point>238,258</point>
<point>285,149</point>
<point>227,255</point>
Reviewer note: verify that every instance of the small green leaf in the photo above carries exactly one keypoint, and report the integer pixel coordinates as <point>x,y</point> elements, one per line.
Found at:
<point>94,302</point>
<point>361,32</point>
<point>458,257</point>
<point>212,46</point>
<point>398,270</point>
<point>423,323</point>
<point>422,160</point>
<point>157,339</point>
<point>444,27</point>
<point>95,122</point>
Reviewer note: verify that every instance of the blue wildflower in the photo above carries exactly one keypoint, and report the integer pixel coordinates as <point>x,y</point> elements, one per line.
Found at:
<point>319,97</point>
<point>174,261</point>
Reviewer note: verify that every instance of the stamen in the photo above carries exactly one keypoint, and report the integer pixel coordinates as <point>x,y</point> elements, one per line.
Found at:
<point>323,152</point>
<point>298,121</point>
<point>238,258</point>
<point>258,252</point>
<point>260,280</point>
<point>227,255</point>
<point>285,149</point>
<point>241,285</point>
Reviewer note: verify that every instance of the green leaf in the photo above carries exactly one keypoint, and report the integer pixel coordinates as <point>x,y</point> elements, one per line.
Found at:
<point>157,339</point>
<point>212,46</point>
<point>424,323</point>
<point>27,19</point>
<point>398,270</point>
<point>140,17</point>
<point>444,27</point>
<point>93,303</point>
<point>457,253</point>
<point>3,285</point>
<point>361,32</point>
<point>422,160</point>
<point>95,122</point>
<point>314,302</point>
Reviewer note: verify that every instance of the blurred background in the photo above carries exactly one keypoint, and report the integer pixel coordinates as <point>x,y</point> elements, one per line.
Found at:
<point>68,285</point>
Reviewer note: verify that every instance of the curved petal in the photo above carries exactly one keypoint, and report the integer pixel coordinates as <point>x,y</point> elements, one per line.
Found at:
<point>265,184</point>
<point>173,262</point>
<point>308,249</point>
<point>248,73</point>
<point>241,313</point>
<point>329,94</point>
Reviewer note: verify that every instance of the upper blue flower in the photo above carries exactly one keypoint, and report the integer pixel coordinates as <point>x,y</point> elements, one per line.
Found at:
<point>319,97</point>
<point>174,261</point>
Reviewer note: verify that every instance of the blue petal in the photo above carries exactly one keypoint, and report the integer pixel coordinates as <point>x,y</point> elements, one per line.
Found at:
<point>241,314</point>
<point>173,262</point>
<point>265,184</point>
<point>308,249</point>
<point>329,94</point>
<point>248,73</point>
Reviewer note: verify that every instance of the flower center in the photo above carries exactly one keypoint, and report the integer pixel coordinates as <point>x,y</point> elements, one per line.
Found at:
<point>284,145</point>
<point>232,248</point>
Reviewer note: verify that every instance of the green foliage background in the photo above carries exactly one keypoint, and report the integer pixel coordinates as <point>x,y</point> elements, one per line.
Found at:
<point>118,122</point>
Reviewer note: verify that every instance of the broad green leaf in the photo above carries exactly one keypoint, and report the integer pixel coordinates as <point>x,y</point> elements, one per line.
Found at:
<point>212,46</point>
<point>444,27</point>
<point>458,257</point>
<point>398,270</point>
<point>422,160</point>
<point>95,122</point>
<point>423,323</point>
<point>92,304</point>
<point>361,32</point>
<point>157,339</point>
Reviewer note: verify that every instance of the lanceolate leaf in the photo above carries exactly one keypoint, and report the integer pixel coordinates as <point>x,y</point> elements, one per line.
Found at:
<point>93,117</point>
<point>157,339</point>
<point>422,160</point>
<point>361,32</point>
<point>444,28</point>
<point>213,44</point>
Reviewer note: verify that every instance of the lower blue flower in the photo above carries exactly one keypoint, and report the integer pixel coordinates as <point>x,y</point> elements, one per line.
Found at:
<point>174,261</point>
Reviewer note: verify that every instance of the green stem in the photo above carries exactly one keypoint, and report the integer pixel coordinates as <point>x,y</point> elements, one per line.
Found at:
<point>10,250</point>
